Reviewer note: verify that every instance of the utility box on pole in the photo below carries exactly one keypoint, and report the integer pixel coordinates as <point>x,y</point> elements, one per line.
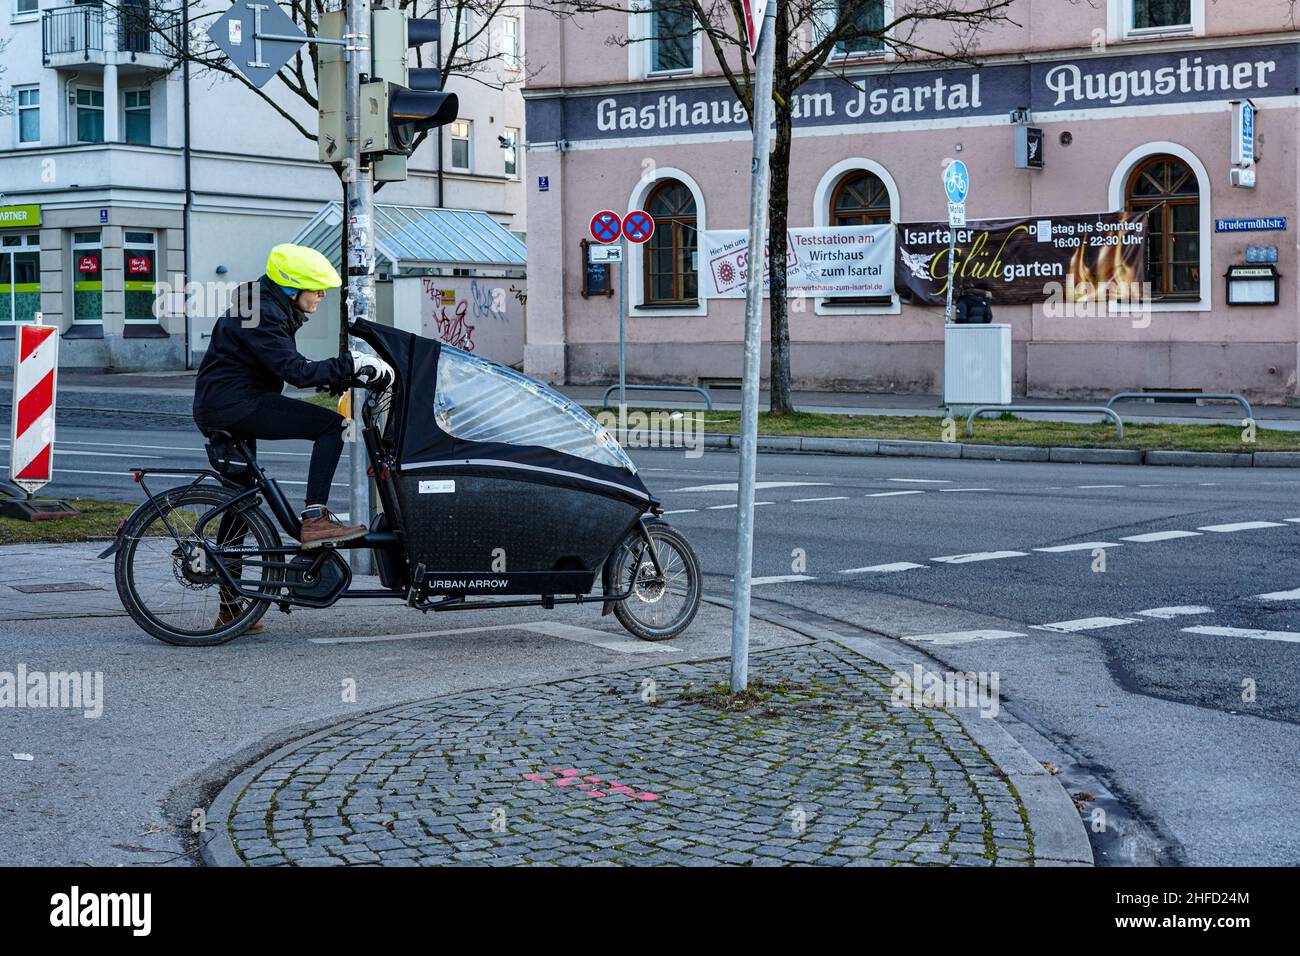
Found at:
<point>332,90</point>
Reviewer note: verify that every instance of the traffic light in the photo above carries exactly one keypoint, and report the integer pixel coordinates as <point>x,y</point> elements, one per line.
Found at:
<point>399,103</point>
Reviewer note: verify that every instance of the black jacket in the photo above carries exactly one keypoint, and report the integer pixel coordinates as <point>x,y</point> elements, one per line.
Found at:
<point>253,353</point>
<point>974,307</point>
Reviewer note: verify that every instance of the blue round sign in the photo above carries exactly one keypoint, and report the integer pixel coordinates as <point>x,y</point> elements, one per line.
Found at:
<point>956,181</point>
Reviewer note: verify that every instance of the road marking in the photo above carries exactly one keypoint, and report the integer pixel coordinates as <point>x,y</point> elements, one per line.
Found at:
<point>921,481</point>
<point>1241,526</point>
<point>1081,546</point>
<point>567,632</point>
<point>199,450</point>
<point>1161,536</point>
<point>836,498</point>
<point>682,511</point>
<point>1289,636</point>
<point>949,638</point>
<point>1154,486</point>
<point>1084,624</point>
<point>60,450</point>
<point>1292,520</point>
<point>725,507</point>
<point>1293,595</point>
<point>884,568</point>
<point>782,579</point>
<point>1166,613</point>
<point>1099,486</point>
<point>979,556</point>
<point>732,486</point>
<point>892,494</point>
<point>954,491</point>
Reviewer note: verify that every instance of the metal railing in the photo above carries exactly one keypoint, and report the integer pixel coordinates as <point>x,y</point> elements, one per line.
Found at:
<point>80,29</point>
<point>1082,409</point>
<point>1226,396</point>
<point>77,29</point>
<point>708,400</point>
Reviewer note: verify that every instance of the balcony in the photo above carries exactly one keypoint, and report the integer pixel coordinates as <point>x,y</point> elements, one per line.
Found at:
<point>135,36</point>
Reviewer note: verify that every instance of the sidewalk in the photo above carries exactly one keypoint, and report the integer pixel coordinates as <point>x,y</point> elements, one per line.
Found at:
<point>630,769</point>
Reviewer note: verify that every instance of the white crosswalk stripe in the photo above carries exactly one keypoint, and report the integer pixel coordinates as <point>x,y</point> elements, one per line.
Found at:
<point>1168,613</point>
<point>884,568</point>
<point>1160,536</point>
<point>979,556</point>
<point>1084,624</point>
<point>1292,595</point>
<point>1288,636</point>
<point>949,638</point>
<point>1081,546</point>
<point>1241,526</point>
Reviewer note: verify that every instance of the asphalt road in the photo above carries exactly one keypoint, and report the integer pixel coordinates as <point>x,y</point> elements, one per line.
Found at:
<point>1164,685</point>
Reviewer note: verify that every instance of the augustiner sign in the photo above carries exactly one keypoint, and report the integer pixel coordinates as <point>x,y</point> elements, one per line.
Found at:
<point>12,217</point>
<point>892,95</point>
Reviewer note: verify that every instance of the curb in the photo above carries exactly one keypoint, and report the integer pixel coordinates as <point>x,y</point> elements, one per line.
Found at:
<point>1060,838</point>
<point>881,447</point>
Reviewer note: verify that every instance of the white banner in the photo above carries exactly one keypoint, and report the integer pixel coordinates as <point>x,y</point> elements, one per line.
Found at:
<point>829,261</point>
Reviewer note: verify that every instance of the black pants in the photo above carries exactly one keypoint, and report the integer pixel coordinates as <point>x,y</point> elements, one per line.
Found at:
<point>276,417</point>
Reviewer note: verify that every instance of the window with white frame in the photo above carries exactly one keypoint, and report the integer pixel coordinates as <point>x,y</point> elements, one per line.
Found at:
<point>460,18</point>
<point>1139,18</point>
<point>670,39</point>
<point>510,147</point>
<point>510,43</point>
<point>860,25</point>
<point>27,107</point>
<point>462,154</point>
<point>26,8</point>
<point>20,276</point>
<point>89,115</point>
<point>138,117</point>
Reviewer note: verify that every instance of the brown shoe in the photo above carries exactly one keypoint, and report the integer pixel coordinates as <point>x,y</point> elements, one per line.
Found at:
<point>229,613</point>
<point>321,529</point>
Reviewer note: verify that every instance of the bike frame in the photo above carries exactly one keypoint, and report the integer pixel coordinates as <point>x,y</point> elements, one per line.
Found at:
<point>261,486</point>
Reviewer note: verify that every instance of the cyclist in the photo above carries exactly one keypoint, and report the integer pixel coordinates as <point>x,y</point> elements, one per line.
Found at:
<point>253,354</point>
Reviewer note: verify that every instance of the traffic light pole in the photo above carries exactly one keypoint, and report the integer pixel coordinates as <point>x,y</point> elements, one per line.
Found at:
<point>361,253</point>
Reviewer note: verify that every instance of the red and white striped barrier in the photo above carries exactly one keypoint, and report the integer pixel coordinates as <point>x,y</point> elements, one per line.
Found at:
<point>31,444</point>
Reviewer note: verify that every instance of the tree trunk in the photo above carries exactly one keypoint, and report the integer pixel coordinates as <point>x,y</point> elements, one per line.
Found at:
<point>778,205</point>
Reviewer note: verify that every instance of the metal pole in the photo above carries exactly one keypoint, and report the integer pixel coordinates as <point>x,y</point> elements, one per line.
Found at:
<point>361,254</point>
<point>622,337</point>
<point>753,351</point>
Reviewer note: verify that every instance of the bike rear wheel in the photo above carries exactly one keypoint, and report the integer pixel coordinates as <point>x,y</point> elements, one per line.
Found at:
<point>164,582</point>
<point>660,606</point>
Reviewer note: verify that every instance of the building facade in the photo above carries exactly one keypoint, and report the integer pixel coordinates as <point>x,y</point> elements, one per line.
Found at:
<point>1138,101</point>
<point>110,194</point>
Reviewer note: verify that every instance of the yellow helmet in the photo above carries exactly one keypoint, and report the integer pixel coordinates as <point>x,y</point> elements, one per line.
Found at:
<point>298,267</point>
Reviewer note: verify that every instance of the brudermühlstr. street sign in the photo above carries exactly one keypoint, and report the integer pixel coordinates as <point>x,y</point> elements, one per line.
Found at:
<point>236,33</point>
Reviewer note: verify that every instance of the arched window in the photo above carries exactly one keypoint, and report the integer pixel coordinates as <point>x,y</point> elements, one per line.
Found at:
<point>860,199</point>
<point>670,276</point>
<point>1166,188</point>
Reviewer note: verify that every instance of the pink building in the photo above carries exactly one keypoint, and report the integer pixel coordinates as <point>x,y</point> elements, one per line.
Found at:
<point>1139,104</point>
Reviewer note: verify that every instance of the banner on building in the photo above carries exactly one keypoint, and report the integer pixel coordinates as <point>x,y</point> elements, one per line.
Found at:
<point>828,261</point>
<point>1079,258</point>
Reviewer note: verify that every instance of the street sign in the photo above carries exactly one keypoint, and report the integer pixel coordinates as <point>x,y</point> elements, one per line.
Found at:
<point>956,181</point>
<point>1243,145</point>
<point>598,255</point>
<point>638,225</point>
<point>244,33</point>
<point>606,226</point>
<point>754,10</point>
<point>956,214</point>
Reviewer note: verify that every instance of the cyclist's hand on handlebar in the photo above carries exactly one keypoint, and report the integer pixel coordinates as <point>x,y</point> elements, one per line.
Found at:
<point>372,371</point>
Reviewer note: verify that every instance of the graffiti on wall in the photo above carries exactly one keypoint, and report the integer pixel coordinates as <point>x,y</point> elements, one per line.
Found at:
<point>452,327</point>
<point>482,315</point>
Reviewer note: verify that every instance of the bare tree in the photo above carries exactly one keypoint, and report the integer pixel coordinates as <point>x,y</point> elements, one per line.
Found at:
<point>6,101</point>
<point>813,38</point>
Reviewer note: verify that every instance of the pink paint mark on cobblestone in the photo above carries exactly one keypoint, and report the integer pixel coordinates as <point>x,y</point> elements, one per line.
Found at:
<point>610,787</point>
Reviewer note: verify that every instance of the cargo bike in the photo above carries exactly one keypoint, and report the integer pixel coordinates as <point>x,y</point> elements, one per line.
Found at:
<point>493,491</point>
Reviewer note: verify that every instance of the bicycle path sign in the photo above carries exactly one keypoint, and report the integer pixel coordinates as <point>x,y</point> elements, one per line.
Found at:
<point>956,182</point>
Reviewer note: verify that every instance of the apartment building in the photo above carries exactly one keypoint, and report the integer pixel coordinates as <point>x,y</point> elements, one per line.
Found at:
<point>1137,108</point>
<point>123,175</point>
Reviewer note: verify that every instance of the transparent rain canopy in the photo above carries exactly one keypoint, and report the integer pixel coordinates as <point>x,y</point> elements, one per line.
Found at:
<point>479,401</point>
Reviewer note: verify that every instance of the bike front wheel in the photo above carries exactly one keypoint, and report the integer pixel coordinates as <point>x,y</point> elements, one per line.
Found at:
<point>661,606</point>
<point>162,574</point>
